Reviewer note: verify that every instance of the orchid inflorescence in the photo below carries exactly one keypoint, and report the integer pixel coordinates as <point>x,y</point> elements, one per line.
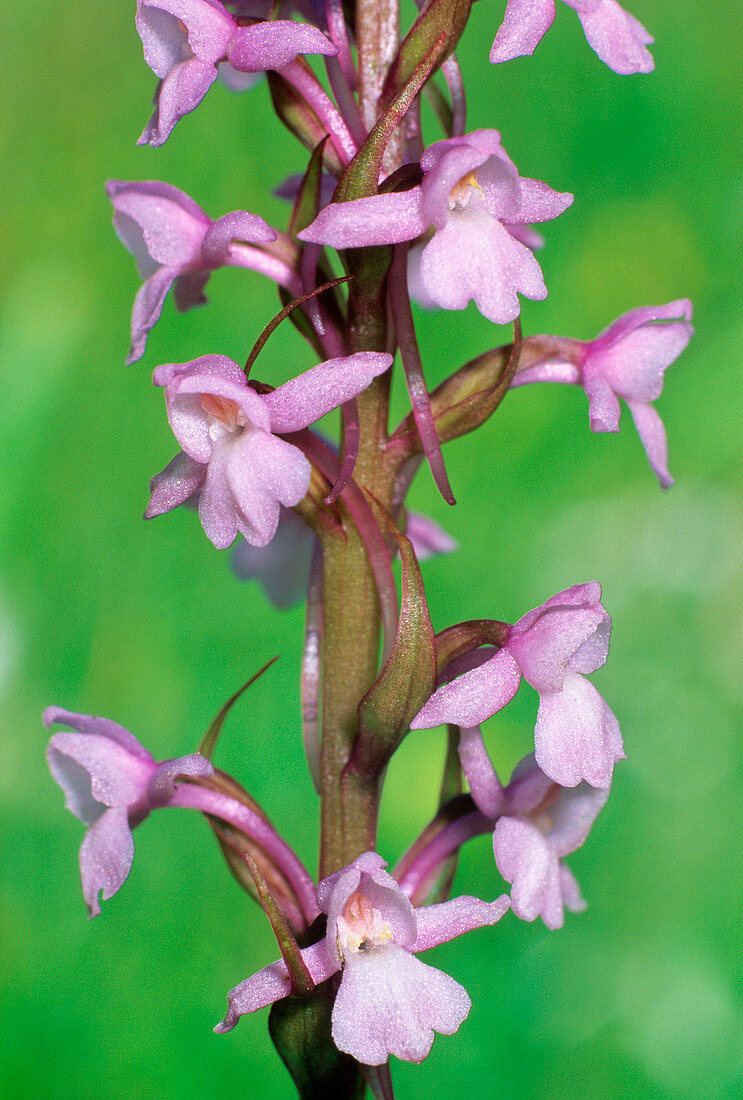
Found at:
<point>443,224</point>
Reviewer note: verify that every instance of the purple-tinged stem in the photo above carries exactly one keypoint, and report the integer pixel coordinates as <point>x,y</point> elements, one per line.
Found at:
<point>310,684</point>
<point>194,797</point>
<point>411,361</point>
<point>304,81</point>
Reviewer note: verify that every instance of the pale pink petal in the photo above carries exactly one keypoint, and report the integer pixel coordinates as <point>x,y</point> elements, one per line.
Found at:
<point>474,256</point>
<point>526,859</point>
<point>528,787</point>
<point>217,508</point>
<point>680,309</point>
<point>148,305</point>
<point>310,395</point>
<point>263,471</point>
<point>539,203</point>
<point>524,25</point>
<point>572,898</point>
<point>180,92</point>
<point>104,727</point>
<point>389,1002</point>
<point>653,438</point>
<point>237,226</point>
<point>106,856</point>
<point>603,406</point>
<point>161,787</point>
<point>459,159</point>
<point>190,424</point>
<point>618,38</point>
<point>634,366</point>
<point>574,737</point>
<point>171,225</point>
<point>164,37</point>
<point>378,219</point>
<point>473,697</point>
<point>544,651</point>
<point>206,23</point>
<point>272,983</point>
<point>75,781</point>
<point>486,142</point>
<point>572,816</point>
<point>117,776</point>
<point>367,876</point>
<point>577,596</point>
<point>274,44</point>
<point>174,485</point>
<point>441,923</point>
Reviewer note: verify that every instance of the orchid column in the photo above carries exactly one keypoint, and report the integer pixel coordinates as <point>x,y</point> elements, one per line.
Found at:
<point>445,223</point>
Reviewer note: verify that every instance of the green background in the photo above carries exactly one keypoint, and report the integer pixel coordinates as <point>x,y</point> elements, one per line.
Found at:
<point>639,996</point>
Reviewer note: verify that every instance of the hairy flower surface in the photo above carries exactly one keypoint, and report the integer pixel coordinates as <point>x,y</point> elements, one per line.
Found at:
<point>175,242</point>
<point>537,824</point>
<point>231,449</point>
<point>186,40</point>
<point>615,35</point>
<point>470,195</point>
<point>553,647</point>
<point>627,360</point>
<point>388,1001</point>
<point>111,783</point>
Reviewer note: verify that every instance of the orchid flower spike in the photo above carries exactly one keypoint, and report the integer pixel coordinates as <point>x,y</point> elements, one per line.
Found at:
<point>471,197</point>
<point>627,360</point>
<point>553,647</point>
<point>175,242</point>
<point>537,824</point>
<point>111,783</point>
<point>230,439</point>
<point>185,40</point>
<point>388,1001</point>
<point>615,35</point>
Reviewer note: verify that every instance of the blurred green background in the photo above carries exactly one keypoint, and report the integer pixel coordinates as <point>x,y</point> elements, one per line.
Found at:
<point>639,996</point>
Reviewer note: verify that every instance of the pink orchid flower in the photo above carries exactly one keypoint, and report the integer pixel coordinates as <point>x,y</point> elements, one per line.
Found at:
<point>472,197</point>
<point>576,737</point>
<point>388,1001</point>
<point>230,435</point>
<point>111,783</point>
